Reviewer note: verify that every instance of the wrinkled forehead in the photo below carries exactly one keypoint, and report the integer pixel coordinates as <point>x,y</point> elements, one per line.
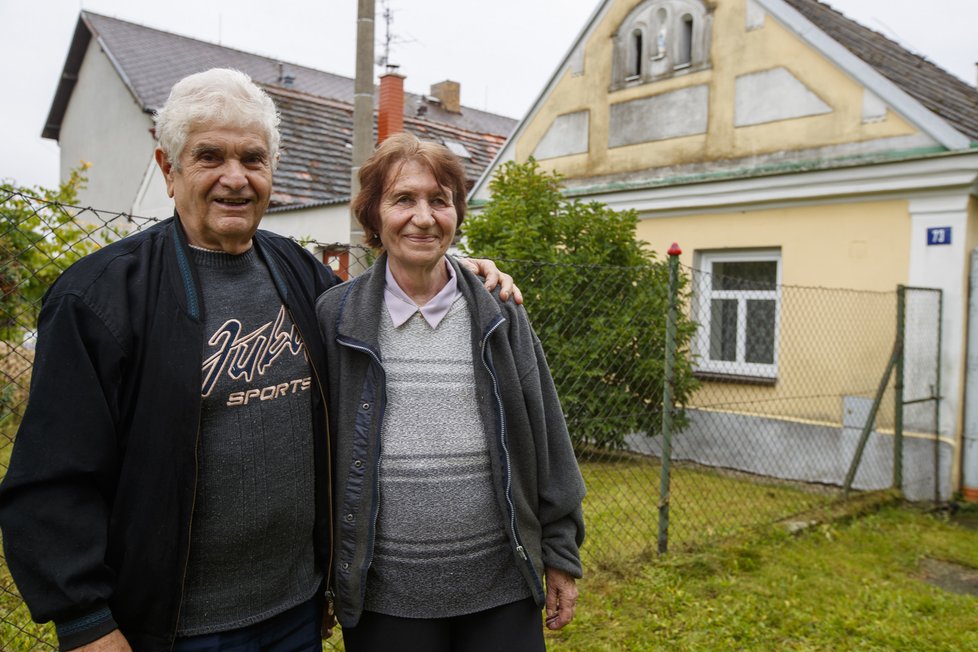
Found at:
<point>250,135</point>
<point>405,166</point>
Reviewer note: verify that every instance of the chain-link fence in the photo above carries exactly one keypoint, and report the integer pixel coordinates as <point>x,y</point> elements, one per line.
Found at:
<point>772,387</point>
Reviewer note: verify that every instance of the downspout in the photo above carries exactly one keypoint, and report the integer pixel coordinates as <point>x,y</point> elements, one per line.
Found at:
<point>969,458</point>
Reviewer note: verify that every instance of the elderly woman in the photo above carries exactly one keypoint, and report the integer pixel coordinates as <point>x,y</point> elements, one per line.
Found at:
<point>458,490</point>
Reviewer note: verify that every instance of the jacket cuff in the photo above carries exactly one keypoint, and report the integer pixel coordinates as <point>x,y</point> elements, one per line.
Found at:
<point>85,629</point>
<point>561,544</point>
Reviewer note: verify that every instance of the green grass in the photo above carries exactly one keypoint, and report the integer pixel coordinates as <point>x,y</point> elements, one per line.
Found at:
<point>846,586</point>
<point>733,580</point>
<point>621,510</point>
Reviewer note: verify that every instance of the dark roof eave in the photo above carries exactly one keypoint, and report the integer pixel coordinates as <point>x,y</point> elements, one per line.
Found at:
<point>285,208</point>
<point>69,76</point>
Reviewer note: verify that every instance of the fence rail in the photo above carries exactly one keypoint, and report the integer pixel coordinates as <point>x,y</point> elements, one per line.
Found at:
<point>772,388</point>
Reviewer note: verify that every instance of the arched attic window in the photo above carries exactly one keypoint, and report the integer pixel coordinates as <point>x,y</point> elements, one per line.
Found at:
<point>684,41</point>
<point>637,54</point>
<point>661,38</point>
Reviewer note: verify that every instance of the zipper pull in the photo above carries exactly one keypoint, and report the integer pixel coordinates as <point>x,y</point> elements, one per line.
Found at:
<point>522,552</point>
<point>329,616</point>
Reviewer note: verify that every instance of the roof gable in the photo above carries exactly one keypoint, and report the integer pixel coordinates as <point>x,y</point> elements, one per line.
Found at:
<point>941,92</point>
<point>151,61</point>
<point>316,106</point>
<point>920,97</point>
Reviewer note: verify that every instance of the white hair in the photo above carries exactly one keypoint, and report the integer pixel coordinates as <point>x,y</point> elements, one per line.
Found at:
<point>216,97</point>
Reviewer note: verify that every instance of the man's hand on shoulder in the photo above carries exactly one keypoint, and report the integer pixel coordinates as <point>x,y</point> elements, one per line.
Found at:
<point>111,642</point>
<point>488,270</point>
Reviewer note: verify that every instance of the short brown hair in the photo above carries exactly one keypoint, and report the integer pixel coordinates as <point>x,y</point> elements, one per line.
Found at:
<point>391,155</point>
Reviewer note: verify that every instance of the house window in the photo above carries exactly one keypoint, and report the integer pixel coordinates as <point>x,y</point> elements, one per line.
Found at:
<point>635,69</point>
<point>684,47</point>
<point>739,311</point>
<point>457,148</point>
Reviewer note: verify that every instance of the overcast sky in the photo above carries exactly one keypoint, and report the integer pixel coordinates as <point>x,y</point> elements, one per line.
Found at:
<point>502,52</point>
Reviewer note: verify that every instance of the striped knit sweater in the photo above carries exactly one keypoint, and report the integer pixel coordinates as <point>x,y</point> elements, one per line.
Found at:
<point>441,547</point>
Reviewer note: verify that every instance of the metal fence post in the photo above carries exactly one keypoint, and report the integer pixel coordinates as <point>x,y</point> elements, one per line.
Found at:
<point>870,420</point>
<point>937,398</point>
<point>898,390</point>
<point>674,252</point>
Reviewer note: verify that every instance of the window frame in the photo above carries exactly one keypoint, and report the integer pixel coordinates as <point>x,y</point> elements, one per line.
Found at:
<point>703,314</point>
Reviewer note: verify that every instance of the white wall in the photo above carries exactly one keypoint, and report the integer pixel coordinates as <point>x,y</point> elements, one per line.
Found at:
<point>104,126</point>
<point>323,224</point>
<point>944,266</point>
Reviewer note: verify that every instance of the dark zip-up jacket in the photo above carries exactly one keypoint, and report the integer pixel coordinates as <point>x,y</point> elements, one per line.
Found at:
<point>538,484</point>
<point>97,502</point>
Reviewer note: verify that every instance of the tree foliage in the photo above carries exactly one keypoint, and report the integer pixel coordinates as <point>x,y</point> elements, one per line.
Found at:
<point>597,297</point>
<point>39,239</point>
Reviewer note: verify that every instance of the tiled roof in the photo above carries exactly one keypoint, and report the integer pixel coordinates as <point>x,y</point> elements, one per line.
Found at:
<point>317,135</point>
<point>316,107</point>
<point>939,91</point>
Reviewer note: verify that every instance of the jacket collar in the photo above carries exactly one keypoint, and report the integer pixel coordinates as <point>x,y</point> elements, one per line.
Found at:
<point>191,298</point>
<point>363,297</point>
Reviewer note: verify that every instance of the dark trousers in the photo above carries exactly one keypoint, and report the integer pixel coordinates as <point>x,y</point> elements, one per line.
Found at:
<point>295,630</point>
<point>514,627</point>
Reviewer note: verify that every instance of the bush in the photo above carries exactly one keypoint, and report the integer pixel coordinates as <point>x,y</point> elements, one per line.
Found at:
<point>39,239</point>
<point>597,297</point>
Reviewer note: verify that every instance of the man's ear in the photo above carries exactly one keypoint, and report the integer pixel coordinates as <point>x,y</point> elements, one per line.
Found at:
<point>166,168</point>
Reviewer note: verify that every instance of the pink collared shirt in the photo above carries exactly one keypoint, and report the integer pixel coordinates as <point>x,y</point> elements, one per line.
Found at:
<point>401,307</point>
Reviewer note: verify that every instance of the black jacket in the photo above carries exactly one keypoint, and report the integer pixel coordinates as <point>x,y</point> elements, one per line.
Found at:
<point>96,504</point>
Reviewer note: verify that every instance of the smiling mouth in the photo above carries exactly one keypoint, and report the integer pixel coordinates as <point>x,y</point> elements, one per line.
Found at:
<point>230,201</point>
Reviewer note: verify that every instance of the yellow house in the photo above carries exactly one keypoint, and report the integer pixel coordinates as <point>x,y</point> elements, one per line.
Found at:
<point>780,138</point>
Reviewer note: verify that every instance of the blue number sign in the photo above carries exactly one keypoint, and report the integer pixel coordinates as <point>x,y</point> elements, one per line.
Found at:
<point>939,235</point>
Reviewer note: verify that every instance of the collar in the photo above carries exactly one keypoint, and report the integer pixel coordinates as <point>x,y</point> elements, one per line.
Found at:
<point>401,307</point>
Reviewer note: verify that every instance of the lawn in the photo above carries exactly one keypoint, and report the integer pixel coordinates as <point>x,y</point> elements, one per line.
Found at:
<point>736,578</point>
<point>621,509</point>
<point>856,584</point>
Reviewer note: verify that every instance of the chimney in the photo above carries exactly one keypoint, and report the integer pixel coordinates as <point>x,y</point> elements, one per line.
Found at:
<point>448,93</point>
<point>284,78</point>
<point>390,116</point>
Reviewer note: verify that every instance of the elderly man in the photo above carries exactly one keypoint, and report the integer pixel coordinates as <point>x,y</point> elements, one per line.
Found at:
<point>169,486</point>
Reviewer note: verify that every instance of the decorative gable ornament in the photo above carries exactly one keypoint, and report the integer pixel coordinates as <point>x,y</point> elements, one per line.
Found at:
<point>659,39</point>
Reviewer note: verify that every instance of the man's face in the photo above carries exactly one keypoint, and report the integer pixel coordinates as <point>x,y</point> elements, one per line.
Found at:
<point>223,186</point>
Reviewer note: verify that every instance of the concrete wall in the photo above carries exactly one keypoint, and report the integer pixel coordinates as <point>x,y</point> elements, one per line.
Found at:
<point>945,266</point>
<point>804,452</point>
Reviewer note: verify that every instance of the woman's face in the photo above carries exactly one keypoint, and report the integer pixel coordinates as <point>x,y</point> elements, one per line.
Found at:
<point>417,217</point>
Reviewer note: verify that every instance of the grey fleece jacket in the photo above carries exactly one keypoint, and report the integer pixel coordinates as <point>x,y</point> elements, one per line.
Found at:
<point>538,484</point>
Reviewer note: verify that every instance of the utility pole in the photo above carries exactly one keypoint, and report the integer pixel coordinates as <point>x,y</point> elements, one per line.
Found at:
<point>363,105</point>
